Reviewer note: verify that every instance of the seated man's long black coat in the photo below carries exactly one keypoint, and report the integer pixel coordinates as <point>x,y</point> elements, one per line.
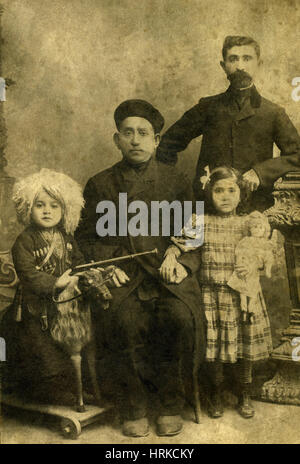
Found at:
<point>157,182</point>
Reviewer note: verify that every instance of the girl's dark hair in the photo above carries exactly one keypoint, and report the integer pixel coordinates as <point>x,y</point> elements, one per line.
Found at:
<point>220,173</point>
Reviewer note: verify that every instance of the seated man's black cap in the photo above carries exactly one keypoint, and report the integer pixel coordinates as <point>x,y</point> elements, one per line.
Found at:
<point>142,109</point>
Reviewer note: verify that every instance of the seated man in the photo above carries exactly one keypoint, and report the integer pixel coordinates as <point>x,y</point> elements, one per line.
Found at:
<point>159,302</point>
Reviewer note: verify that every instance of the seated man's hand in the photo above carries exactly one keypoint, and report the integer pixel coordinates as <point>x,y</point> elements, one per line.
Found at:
<point>117,277</point>
<point>167,269</point>
<point>181,273</point>
<point>171,271</point>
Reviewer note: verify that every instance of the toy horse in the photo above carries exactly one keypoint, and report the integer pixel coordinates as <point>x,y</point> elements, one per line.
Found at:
<point>72,327</point>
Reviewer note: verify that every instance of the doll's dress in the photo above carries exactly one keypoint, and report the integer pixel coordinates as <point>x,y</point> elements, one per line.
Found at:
<point>254,253</point>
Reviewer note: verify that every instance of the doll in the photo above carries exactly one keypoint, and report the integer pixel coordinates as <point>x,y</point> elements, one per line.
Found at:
<point>255,252</point>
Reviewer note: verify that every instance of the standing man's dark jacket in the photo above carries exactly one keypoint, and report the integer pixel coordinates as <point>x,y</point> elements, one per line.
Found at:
<point>240,137</point>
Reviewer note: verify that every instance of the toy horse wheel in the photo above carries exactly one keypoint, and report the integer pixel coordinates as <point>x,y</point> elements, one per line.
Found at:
<point>70,428</point>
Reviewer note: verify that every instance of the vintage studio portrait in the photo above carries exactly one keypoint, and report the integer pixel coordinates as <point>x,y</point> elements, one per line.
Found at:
<point>149,222</point>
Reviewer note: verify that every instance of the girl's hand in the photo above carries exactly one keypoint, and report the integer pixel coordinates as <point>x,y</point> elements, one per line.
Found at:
<point>185,244</point>
<point>268,270</point>
<point>242,271</point>
<point>67,279</point>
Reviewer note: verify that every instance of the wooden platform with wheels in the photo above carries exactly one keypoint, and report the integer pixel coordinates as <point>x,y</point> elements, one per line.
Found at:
<point>71,422</point>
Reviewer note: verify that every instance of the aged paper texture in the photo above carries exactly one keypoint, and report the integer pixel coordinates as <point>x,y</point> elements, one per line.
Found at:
<point>68,65</point>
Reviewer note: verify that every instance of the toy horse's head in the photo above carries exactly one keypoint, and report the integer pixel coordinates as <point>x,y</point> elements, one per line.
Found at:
<point>93,284</point>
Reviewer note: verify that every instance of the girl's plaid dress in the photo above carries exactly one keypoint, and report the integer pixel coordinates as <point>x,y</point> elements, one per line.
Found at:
<point>228,337</point>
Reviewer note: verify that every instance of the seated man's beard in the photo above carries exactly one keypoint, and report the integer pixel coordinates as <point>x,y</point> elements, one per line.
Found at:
<point>240,79</point>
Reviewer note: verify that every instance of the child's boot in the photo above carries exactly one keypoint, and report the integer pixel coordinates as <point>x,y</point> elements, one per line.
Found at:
<point>215,408</point>
<point>245,406</point>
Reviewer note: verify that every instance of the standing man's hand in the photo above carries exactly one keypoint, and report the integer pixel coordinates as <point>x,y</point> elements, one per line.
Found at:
<point>251,179</point>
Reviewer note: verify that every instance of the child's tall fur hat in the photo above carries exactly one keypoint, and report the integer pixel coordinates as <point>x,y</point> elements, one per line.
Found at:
<point>56,184</point>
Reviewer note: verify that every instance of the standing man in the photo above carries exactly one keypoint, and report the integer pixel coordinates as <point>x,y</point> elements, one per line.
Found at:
<point>239,127</point>
<point>148,307</point>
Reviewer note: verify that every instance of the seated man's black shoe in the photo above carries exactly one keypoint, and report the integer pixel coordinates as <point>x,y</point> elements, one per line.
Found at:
<point>167,426</point>
<point>215,407</point>
<point>245,407</point>
<point>136,428</point>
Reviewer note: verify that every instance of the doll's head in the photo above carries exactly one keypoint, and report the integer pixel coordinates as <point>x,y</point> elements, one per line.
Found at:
<point>258,225</point>
<point>48,199</point>
<point>224,191</point>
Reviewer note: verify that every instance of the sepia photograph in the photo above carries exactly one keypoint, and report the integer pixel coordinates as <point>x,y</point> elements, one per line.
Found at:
<point>149,224</point>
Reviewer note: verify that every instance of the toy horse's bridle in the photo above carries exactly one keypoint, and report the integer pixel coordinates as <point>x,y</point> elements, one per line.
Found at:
<point>77,296</point>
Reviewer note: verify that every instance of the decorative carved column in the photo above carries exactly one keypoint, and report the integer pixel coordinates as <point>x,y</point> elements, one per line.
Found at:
<point>284,387</point>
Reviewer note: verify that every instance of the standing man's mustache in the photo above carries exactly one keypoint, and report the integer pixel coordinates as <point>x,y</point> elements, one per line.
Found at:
<point>240,79</point>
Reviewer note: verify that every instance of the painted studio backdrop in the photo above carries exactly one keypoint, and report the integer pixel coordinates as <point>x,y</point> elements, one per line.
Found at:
<point>74,61</point>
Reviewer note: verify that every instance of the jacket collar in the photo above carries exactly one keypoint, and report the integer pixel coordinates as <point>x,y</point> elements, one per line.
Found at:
<point>249,107</point>
<point>255,97</point>
<point>136,182</point>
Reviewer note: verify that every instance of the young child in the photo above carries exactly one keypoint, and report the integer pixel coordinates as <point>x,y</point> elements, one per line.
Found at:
<point>229,338</point>
<point>49,204</point>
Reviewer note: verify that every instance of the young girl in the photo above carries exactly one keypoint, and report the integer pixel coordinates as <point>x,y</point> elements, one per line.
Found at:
<point>230,339</point>
<point>49,204</point>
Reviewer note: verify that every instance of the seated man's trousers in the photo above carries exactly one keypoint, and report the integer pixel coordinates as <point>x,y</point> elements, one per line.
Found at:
<point>161,328</point>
